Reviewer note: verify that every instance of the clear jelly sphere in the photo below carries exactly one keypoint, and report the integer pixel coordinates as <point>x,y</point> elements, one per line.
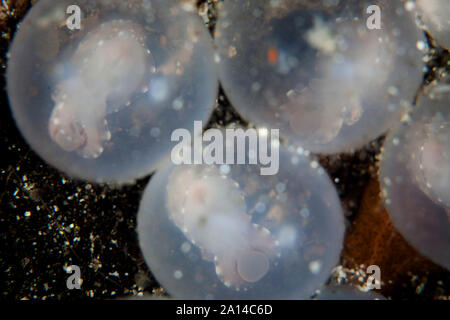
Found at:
<point>228,232</point>
<point>415,177</point>
<point>100,102</point>
<point>436,16</point>
<point>320,71</point>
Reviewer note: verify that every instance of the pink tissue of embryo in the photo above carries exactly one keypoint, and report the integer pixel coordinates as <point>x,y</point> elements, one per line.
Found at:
<point>102,63</point>
<point>210,210</point>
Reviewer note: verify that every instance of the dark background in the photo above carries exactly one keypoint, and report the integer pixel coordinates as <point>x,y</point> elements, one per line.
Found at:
<point>49,221</point>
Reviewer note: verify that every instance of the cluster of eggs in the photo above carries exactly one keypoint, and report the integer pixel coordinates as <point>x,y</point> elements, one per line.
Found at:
<point>101,102</point>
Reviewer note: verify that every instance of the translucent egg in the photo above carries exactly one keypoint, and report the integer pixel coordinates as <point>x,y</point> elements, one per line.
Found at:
<point>320,71</point>
<point>227,232</point>
<point>435,14</point>
<point>100,102</point>
<point>415,177</point>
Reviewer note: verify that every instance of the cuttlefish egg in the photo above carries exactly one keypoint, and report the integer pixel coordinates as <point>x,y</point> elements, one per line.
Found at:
<point>101,102</point>
<point>227,232</point>
<point>107,53</point>
<point>415,176</point>
<point>331,75</point>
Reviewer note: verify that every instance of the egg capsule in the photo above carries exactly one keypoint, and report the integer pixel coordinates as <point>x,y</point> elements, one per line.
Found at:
<point>331,75</point>
<point>435,14</point>
<point>415,177</point>
<point>100,102</point>
<point>227,232</point>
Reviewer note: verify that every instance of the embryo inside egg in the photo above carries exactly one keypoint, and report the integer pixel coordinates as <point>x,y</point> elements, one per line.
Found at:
<point>228,232</point>
<point>101,102</point>
<point>114,49</point>
<point>219,225</point>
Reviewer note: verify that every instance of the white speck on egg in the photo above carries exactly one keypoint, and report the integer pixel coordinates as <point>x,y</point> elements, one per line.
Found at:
<point>178,274</point>
<point>315,266</point>
<point>186,247</point>
<point>304,213</point>
<point>225,169</point>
